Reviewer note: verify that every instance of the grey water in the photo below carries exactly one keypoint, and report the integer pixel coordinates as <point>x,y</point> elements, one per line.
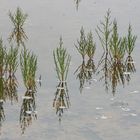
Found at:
<point>94,114</point>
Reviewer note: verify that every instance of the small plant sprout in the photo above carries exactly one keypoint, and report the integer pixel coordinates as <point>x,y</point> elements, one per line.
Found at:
<point>18,34</point>
<point>82,44</point>
<point>62,61</point>
<point>28,63</point>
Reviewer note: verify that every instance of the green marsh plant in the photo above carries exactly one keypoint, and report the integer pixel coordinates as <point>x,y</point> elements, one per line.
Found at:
<point>104,33</point>
<point>18,20</point>
<point>82,44</point>
<point>62,61</point>
<point>28,63</point>
<point>2,58</point>
<point>11,82</point>
<point>82,49</point>
<point>117,49</point>
<point>131,40</point>
<point>2,69</point>
<point>91,47</point>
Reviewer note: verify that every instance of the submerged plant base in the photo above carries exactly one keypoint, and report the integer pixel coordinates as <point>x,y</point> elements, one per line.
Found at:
<point>28,110</point>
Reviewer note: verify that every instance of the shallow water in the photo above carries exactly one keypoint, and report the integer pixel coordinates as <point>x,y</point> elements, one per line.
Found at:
<point>94,114</point>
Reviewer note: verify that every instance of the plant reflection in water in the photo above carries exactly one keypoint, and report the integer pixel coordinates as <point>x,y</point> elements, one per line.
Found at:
<point>28,110</point>
<point>61,100</point>
<point>2,115</point>
<point>77,3</point>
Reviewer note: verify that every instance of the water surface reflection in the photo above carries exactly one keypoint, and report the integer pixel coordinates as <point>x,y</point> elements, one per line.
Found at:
<point>61,100</point>
<point>28,111</point>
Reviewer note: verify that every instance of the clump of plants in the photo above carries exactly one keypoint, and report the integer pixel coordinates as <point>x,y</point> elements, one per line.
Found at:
<point>11,82</point>
<point>91,47</point>
<point>86,47</point>
<point>104,33</point>
<point>18,34</point>
<point>62,61</point>
<point>114,50</point>
<point>117,50</point>
<point>2,70</point>
<point>2,58</point>
<point>82,44</point>
<point>130,44</point>
<point>82,49</point>
<point>28,64</point>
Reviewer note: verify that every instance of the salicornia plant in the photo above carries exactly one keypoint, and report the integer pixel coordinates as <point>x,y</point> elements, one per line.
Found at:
<point>117,49</point>
<point>2,70</point>
<point>2,58</point>
<point>82,44</point>
<point>11,68</point>
<point>18,34</point>
<point>131,39</point>
<point>28,63</point>
<point>62,61</point>
<point>12,61</point>
<point>91,47</point>
<point>104,33</point>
